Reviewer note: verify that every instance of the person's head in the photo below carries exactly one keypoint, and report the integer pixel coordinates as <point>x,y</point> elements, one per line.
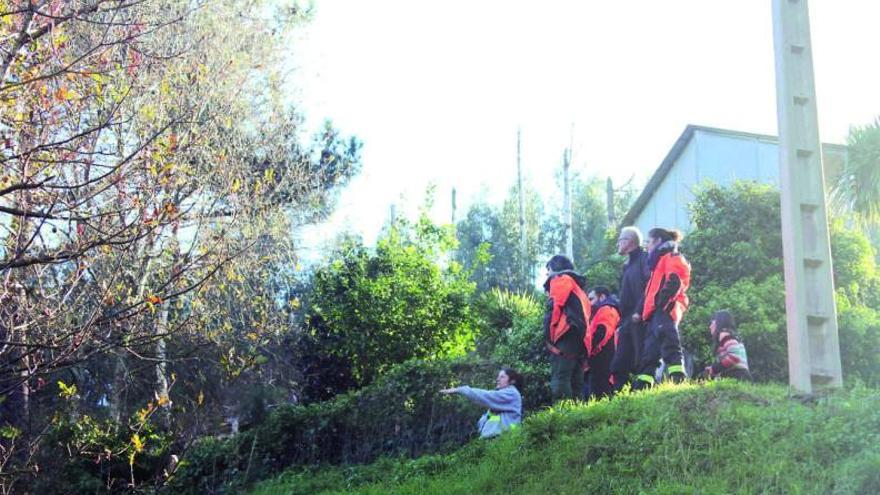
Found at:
<point>722,321</point>
<point>657,236</point>
<point>599,294</point>
<point>629,240</point>
<point>507,377</point>
<point>559,263</point>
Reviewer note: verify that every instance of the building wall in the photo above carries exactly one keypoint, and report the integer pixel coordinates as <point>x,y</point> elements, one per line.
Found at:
<point>718,158</point>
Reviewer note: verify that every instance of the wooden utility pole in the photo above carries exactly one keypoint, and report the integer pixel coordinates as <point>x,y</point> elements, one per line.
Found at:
<point>811,314</point>
<point>566,206</point>
<point>522,212</point>
<point>453,206</point>
<point>609,198</point>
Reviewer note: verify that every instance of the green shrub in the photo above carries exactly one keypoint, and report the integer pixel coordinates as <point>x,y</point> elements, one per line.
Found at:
<point>759,309</point>
<point>735,251</point>
<point>859,329</point>
<point>605,272</point>
<point>89,455</point>
<point>379,307</point>
<point>400,414</point>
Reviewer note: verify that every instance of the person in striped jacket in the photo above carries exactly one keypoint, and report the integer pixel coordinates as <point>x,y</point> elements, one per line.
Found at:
<point>732,361</point>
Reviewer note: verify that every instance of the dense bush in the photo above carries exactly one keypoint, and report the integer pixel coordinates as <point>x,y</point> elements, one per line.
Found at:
<point>860,343</point>
<point>605,273</point>
<point>735,251</point>
<point>737,233</point>
<point>88,454</point>
<point>856,275</point>
<point>760,314</point>
<point>514,324</point>
<point>378,307</point>
<point>401,413</point>
<point>511,326</point>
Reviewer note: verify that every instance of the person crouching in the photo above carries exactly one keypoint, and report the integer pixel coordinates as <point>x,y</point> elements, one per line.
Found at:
<point>732,361</point>
<point>504,403</point>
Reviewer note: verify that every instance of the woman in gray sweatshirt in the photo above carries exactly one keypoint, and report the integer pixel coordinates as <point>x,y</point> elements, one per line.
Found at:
<point>504,403</point>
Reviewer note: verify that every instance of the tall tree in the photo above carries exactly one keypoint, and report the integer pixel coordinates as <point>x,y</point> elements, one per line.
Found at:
<point>148,154</point>
<point>858,187</point>
<point>589,223</point>
<point>489,242</point>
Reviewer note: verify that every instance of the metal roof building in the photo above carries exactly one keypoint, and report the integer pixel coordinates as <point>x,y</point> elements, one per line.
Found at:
<point>705,154</point>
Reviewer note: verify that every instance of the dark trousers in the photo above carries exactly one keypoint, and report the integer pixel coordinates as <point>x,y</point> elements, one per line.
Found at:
<point>661,340</point>
<point>600,372</point>
<point>566,377</point>
<point>630,338</point>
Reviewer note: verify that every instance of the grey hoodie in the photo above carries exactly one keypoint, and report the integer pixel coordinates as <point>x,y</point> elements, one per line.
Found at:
<point>505,408</point>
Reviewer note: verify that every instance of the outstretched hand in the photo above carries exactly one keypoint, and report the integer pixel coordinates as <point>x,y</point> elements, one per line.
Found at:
<point>448,391</point>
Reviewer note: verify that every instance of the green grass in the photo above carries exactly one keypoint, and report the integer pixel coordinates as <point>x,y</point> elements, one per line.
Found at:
<point>722,437</point>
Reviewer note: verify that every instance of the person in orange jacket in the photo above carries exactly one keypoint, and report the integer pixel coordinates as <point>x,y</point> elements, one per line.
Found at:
<point>665,304</point>
<point>601,340</point>
<point>566,316</point>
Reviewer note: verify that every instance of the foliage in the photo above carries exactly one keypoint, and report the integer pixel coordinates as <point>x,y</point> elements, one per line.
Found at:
<point>500,310</point>
<point>489,237</point>
<point>699,438</point>
<point>735,251</point>
<point>860,343</point>
<point>384,306</point>
<point>512,335</point>
<point>105,458</point>
<point>401,413</point>
<point>489,242</point>
<point>513,327</point>
<point>153,171</point>
<point>606,270</point>
<point>857,189</point>
<point>483,248</point>
<point>589,216</point>
<point>759,309</point>
<point>737,232</point>
<point>856,276</point>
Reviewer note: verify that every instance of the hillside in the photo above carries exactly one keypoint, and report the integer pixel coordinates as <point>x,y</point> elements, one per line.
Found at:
<point>722,437</point>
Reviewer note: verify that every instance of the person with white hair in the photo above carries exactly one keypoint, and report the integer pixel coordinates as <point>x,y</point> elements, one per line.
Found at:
<point>631,295</point>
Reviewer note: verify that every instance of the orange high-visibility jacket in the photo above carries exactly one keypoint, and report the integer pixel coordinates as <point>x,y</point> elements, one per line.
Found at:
<point>606,316</point>
<point>666,290</point>
<point>561,288</point>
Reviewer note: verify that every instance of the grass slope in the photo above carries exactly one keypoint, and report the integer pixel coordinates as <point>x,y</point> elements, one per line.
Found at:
<point>721,437</point>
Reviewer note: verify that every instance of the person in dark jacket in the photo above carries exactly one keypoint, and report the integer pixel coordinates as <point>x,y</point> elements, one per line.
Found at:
<point>565,322</point>
<point>633,280</point>
<point>665,304</point>
<point>600,340</point>
<point>732,361</point>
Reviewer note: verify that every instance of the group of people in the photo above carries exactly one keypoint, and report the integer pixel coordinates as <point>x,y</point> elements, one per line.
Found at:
<point>598,341</point>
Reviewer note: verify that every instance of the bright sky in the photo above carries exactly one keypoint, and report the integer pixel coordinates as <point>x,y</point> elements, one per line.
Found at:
<point>436,90</point>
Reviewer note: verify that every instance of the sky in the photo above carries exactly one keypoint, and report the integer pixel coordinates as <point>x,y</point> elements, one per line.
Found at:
<point>437,90</point>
